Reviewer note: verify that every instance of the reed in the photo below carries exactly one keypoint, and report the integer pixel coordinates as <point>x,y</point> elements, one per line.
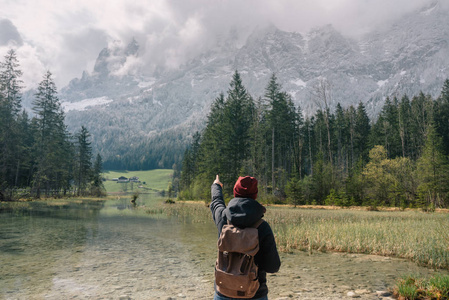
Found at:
<point>414,235</point>
<point>418,236</point>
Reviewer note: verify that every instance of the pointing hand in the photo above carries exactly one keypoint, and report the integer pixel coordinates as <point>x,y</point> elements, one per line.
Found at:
<point>217,181</point>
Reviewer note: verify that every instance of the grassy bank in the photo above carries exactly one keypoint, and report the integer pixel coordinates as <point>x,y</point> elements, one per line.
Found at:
<point>152,180</point>
<point>415,235</point>
<point>413,287</point>
<point>418,236</point>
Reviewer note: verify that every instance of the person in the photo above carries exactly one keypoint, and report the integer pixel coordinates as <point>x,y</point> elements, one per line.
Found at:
<point>244,211</point>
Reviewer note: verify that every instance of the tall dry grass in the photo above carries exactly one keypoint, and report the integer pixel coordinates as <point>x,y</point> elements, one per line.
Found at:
<point>415,235</point>
<point>420,237</point>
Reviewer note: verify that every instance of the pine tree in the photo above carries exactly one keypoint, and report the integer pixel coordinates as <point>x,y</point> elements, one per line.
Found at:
<point>10,104</point>
<point>97,188</point>
<point>294,192</point>
<point>190,165</point>
<point>25,151</point>
<point>259,165</point>
<point>433,172</point>
<point>421,113</point>
<point>238,119</point>
<point>299,156</point>
<point>361,133</point>
<point>322,94</point>
<point>322,181</point>
<point>283,125</point>
<point>392,142</point>
<point>351,116</point>
<point>211,156</point>
<point>10,82</point>
<point>404,125</point>
<point>342,141</point>
<point>83,162</point>
<point>309,144</point>
<point>52,146</point>
<point>441,116</point>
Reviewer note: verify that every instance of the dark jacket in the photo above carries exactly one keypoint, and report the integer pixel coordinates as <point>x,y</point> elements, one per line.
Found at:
<point>244,212</point>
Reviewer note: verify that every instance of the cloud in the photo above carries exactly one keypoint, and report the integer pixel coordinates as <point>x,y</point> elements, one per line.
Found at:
<point>30,61</point>
<point>9,34</point>
<point>67,36</point>
<point>81,49</point>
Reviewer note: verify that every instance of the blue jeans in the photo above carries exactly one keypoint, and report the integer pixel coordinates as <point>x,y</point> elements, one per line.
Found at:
<point>217,297</point>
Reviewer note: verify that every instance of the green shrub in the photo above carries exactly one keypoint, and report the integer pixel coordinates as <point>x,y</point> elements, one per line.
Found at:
<point>409,292</point>
<point>438,287</point>
<point>414,287</point>
<point>332,198</point>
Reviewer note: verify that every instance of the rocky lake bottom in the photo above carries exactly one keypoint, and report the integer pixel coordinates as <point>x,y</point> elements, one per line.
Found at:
<point>116,253</point>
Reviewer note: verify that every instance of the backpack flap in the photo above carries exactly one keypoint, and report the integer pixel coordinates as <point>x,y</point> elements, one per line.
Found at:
<point>234,239</point>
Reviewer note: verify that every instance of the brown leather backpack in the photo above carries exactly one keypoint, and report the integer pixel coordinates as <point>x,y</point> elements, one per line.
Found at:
<point>236,274</point>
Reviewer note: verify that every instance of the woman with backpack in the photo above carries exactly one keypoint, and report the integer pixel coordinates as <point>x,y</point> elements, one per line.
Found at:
<point>245,239</point>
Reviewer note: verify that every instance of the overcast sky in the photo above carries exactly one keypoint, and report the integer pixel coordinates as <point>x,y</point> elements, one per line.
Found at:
<point>66,36</point>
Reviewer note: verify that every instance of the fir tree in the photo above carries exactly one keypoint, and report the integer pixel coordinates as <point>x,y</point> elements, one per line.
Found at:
<point>404,125</point>
<point>10,104</point>
<point>53,149</point>
<point>238,119</point>
<point>441,116</point>
<point>361,132</point>
<point>421,113</point>
<point>83,160</point>
<point>342,141</point>
<point>10,82</point>
<point>282,121</point>
<point>433,171</point>
<point>97,188</point>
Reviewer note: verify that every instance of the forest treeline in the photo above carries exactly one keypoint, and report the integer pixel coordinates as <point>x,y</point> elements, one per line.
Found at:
<point>335,157</point>
<point>118,135</point>
<point>39,157</point>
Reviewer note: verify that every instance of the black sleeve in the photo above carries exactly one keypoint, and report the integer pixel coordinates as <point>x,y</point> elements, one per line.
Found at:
<point>217,206</point>
<point>268,256</point>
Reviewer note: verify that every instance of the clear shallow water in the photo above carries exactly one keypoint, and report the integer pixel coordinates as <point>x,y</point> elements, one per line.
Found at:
<point>111,250</point>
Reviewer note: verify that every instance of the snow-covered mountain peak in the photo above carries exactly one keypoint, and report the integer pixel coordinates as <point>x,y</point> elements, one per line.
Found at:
<point>407,56</point>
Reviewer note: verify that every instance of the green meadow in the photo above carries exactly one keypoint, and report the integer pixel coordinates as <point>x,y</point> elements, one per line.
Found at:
<point>150,181</point>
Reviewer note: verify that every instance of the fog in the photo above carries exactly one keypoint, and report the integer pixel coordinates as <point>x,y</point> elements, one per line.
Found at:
<point>66,37</point>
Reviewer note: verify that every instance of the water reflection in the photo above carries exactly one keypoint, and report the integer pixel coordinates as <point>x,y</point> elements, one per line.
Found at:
<point>112,249</point>
<point>91,249</point>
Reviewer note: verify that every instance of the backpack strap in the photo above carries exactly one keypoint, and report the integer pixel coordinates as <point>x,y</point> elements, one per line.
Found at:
<point>257,224</point>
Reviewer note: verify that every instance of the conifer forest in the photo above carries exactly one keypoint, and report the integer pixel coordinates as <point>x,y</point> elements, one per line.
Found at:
<point>39,157</point>
<point>337,156</point>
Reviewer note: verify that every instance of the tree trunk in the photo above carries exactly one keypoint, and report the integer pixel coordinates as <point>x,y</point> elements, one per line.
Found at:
<point>300,159</point>
<point>17,173</point>
<point>272,161</point>
<point>310,153</point>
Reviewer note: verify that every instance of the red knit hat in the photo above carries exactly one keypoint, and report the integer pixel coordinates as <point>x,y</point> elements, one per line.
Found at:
<point>246,187</point>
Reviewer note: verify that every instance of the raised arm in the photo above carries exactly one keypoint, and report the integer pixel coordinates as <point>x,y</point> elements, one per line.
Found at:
<point>217,205</point>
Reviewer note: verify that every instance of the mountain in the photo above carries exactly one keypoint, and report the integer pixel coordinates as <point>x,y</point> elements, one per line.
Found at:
<point>141,119</point>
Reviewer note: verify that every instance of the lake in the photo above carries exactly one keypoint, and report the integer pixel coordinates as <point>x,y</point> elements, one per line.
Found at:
<point>98,249</point>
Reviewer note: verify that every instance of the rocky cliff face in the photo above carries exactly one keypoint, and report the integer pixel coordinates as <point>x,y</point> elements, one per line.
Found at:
<point>405,57</point>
